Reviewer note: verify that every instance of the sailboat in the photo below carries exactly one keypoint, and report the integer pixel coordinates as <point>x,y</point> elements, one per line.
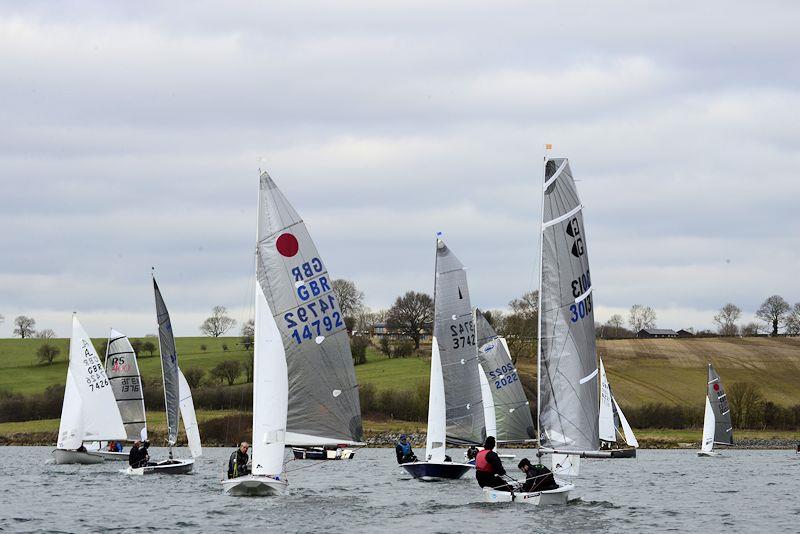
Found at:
<point>90,410</point>
<point>612,423</point>
<point>568,389</point>
<point>505,406</point>
<point>717,426</point>
<point>304,386</point>
<point>173,379</point>
<point>122,370</point>
<point>455,413</point>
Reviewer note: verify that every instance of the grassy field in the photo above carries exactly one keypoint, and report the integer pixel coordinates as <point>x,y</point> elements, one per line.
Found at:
<point>670,371</point>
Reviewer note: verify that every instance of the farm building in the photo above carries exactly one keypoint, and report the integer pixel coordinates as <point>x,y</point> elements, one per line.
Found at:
<point>651,333</point>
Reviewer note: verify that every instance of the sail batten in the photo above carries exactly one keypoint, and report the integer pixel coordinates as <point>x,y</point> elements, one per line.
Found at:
<point>568,370</point>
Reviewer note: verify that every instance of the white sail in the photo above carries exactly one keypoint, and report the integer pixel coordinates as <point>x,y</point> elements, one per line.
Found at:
<point>488,405</point>
<point>270,391</point>
<point>437,410</point>
<point>189,417</point>
<point>709,423</point>
<point>99,415</point>
<point>627,431</point>
<point>70,430</point>
<point>608,431</point>
<point>566,465</point>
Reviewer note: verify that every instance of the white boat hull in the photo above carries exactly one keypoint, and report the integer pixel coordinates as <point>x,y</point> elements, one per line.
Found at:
<point>558,496</point>
<point>708,454</point>
<point>63,456</point>
<point>167,467</point>
<point>254,486</point>
<point>112,456</point>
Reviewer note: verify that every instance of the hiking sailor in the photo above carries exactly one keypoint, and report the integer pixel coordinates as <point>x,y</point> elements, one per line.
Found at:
<point>489,467</point>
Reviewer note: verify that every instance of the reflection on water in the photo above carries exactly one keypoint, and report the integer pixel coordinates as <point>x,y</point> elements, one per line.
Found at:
<point>659,490</point>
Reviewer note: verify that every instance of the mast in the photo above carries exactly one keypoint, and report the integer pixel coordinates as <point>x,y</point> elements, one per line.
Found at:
<point>539,315</point>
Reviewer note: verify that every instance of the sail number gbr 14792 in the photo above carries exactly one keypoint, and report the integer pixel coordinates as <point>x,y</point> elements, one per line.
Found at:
<point>582,309</point>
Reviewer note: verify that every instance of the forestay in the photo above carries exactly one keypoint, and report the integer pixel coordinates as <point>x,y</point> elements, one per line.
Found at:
<point>512,415</point>
<point>90,410</point>
<point>189,417</point>
<point>454,331</point>
<point>568,387</point>
<point>323,394</point>
<point>169,366</point>
<point>126,382</point>
<point>723,427</point>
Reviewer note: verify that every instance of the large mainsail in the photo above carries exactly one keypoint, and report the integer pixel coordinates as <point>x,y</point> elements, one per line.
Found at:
<point>723,428</point>
<point>323,395</point>
<point>126,382</point>
<point>568,389</point>
<point>511,413</point>
<point>90,410</point>
<point>454,332</point>
<point>169,367</point>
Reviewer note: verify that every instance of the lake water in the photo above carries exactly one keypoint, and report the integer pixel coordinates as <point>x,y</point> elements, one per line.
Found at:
<point>675,490</point>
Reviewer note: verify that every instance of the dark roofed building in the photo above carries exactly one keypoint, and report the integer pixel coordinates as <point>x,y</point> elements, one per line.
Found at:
<point>685,333</point>
<point>652,333</point>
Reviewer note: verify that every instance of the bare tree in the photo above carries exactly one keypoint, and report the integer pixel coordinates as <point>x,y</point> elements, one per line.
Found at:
<point>350,299</point>
<point>218,323</point>
<point>25,326</point>
<point>773,312</point>
<point>520,327</point>
<point>792,321</point>
<point>47,353</point>
<point>750,329</point>
<point>615,324</point>
<point>641,317</point>
<point>746,403</point>
<point>47,333</point>
<point>726,319</point>
<point>248,333</point>
<point>411,315</point>
<point>149,346</point>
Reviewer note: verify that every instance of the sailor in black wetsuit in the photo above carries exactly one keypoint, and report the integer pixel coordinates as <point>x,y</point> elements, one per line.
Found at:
<point>138,457</point>
<point>237,465</point>
<point>537,477</point>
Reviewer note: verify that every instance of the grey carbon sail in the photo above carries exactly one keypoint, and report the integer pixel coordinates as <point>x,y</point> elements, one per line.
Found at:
<point>511,406</point>
<point>323,393</point>
<point>723,428</point>
<point>169,367</point>
<point>126,382</point>
<point>454,331</point>
<point>568,373</point>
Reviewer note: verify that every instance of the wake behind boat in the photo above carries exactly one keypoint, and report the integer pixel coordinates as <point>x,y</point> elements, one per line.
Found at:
<point>454,406</point>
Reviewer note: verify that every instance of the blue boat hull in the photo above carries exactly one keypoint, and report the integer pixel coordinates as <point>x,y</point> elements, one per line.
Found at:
<point>437,471</point>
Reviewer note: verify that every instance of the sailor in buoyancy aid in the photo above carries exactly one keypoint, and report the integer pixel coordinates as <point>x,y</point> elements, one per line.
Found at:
<point>404,451</point>
<point>489,467</point>
<point>237,464</point>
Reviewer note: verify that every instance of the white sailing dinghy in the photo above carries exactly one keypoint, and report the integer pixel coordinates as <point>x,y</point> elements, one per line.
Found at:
<point>177,400</point>
<point>568,389</point>
<point>304,385</point>
<point>90,410</point>
<point>505,406</point>
<point>612,423</point>
<point>122,370</point>
<point>455,413</point>
<point>717,426</point>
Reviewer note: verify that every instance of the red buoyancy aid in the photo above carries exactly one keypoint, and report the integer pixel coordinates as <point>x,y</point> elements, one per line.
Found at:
<point>481,464</point>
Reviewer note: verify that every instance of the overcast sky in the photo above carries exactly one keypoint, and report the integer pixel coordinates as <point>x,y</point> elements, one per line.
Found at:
<point>132,134</point>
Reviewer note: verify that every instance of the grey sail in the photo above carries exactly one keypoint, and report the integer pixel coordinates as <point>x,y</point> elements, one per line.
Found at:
<point>511,406</point>
<point>454,331</point>
<point>568,377</point>
<point>169,367</point>
<point>323,393</point>
<point>126,383</point>
<point>723,428</point>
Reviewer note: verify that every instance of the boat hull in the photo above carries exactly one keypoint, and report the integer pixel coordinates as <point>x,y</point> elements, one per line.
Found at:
<point>112,456</point>
<point>558,496</point>
<point>708,454</point>
<point>167,467</point>
<point>301,453</point>
<point>254,486</point>
<point>63,457</point>
<point>431,471</point>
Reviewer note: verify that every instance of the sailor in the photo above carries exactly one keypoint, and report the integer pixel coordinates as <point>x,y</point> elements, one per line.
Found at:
<point>489,467</point>
<point>472,452</point>
<point>403,451</point>
<point>138,456</point>
<point>537,477</point>
<point>114,446</point>
<point>237,465</point>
